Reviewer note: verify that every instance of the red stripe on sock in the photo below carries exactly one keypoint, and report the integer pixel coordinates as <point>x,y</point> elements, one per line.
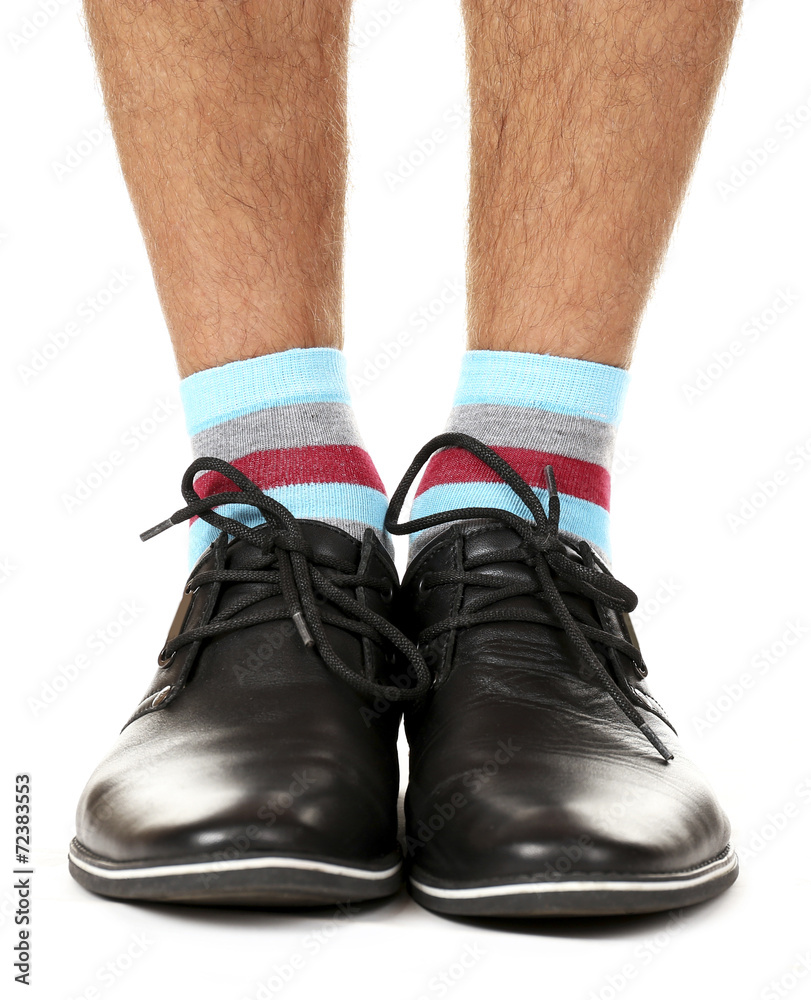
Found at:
<point>336,463</point>
<point>574,477</point>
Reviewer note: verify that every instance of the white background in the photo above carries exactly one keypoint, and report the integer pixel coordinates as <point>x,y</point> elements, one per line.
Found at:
<point>715,593</point>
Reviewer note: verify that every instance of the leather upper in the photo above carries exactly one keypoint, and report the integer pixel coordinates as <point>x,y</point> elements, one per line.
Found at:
<point>522,765</point>
<point>246,743</point>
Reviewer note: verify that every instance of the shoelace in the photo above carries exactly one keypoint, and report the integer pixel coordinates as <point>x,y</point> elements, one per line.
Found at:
<point>283,567</point>
<point>544,550</point>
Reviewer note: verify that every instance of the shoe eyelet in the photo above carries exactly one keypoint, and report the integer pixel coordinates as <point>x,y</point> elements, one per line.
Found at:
<point>190,590</point>
<point>161,696</point>
<point>422,587</point>
<point>164,660</point>
<point>387,595</point>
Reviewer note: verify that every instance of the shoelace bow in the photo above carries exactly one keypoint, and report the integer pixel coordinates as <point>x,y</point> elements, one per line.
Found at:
<point>544,550</point>
<point>284,567</point>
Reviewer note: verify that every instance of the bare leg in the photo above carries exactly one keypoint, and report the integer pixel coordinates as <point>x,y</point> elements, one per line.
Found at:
<point>587,118</point>
<point>230,123</point>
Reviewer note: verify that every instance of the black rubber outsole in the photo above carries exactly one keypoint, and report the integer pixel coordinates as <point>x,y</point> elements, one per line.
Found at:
<point>580,896</point>
<point>249,881</point>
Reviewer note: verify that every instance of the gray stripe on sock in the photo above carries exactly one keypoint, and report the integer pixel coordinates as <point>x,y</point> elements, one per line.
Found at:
<point>540,430</point>
<point>298,425</point>
<point>502,426</point>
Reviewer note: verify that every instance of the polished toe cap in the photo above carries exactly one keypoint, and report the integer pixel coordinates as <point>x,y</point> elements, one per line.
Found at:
<point>187,801</point>
<point>550,818</point>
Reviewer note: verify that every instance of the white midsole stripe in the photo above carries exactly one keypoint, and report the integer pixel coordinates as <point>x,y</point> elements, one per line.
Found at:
<point>717,868</point>
<point>238,864</point>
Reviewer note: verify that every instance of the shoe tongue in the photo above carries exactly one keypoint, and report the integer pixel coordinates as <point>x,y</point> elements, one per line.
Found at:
<point>326,543</point>
<point>492,543</point>
<point>489,539</point>
<point>486,541</point>
<point>324,540</point>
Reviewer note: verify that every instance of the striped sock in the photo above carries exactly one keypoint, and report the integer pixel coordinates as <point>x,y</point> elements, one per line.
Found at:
<point>534,410</point>
<point>285,421</point>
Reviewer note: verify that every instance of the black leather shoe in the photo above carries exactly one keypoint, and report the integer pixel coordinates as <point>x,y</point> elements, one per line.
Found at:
<point>258,768</point>
<point>545,778</point>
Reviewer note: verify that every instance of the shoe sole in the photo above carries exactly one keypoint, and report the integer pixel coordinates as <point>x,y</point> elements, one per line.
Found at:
<point>583,896</point>
<point>248,881</point>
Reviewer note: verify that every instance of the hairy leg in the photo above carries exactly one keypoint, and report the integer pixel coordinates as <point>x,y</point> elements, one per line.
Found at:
<point>587,117</point>
<point>230,123</point>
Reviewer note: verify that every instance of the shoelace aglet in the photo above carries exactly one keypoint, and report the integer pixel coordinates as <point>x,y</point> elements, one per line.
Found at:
<point>654,740</point>
<point>551,482</point>
<point>146,535</point>
<point>554,500</point>
<point>303,631</point>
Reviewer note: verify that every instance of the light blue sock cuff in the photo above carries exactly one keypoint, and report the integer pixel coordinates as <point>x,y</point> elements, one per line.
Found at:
<point>559,385</point>
<point>301,375</point>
